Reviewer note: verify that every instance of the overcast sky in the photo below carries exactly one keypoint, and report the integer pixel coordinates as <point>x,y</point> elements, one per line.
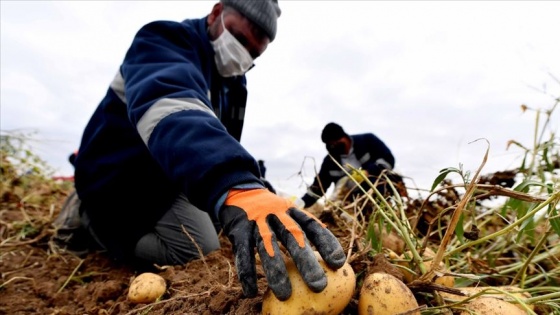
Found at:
<point>428,77</point>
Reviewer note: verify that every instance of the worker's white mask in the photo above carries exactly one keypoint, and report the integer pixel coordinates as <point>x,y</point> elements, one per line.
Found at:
<point>231,57</point>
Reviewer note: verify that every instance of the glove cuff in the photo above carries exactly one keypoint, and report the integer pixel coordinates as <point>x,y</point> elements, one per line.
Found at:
<point>308,200</point>
<point>222,199</point>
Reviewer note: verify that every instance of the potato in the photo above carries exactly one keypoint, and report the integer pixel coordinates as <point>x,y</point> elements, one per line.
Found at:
<point>146,288</point>
<point>491,306</point>
<point>447,281</point>
<point>391,240</point>
<point>469,291</point>
<point>384,294</point>
<point>332,300</point>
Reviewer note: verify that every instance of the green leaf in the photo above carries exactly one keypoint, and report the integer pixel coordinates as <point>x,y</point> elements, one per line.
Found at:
<point>442,174</point>
<point>459,229</point>
<point>371,235</point>
<point>555,219</point>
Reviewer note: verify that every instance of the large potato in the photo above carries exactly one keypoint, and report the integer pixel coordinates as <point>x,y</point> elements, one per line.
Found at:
<point>491,306</point>
<point>146,288</point>
<point>331,301</point>
<point>384,294</point>
<point>470,291</point>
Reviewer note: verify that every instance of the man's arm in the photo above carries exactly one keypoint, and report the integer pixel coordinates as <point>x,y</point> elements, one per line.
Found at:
<point>320,184</point>
<point>165,77</point>
<point>381,157</point>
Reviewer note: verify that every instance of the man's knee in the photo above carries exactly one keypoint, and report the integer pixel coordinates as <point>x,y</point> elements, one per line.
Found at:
<point>206,245</point>
<point>154,249</point>
<point>192,249</point>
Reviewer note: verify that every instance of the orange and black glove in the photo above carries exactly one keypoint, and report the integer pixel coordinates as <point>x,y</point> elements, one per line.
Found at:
<point>258,218</point>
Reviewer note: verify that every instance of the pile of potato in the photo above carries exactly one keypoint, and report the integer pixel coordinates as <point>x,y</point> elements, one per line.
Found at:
<point>380,294</point>
<point>384,294</point>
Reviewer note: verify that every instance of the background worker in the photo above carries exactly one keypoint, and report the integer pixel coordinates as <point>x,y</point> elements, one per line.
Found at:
<point>361,151</point>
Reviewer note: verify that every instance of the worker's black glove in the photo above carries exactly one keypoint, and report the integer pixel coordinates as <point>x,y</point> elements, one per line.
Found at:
<point>258,218</point>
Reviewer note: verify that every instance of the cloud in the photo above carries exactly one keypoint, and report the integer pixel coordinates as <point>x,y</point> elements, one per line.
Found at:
<point>428,77</point>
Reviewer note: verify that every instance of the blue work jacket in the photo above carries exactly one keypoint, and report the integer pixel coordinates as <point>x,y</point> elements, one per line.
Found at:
<point>168,124</point>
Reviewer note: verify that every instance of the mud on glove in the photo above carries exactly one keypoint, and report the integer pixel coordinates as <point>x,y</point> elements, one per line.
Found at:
<point>259,218</point>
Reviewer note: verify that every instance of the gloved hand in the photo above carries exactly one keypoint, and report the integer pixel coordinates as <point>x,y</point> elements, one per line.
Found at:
<point>258,218</point>
<point>359,175</point>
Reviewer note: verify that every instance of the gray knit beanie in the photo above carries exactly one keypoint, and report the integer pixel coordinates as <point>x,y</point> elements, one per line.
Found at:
<point>261,12</point>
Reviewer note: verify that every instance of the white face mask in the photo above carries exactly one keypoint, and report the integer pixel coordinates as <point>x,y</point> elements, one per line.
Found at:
<point>231,57</point>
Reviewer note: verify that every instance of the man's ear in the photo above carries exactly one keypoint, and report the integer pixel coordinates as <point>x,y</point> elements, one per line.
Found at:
<point>347,143</point>
<point>215,13</point>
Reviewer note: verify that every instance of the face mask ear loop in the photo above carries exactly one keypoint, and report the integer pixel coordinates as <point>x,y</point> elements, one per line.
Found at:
<point>223,24</point>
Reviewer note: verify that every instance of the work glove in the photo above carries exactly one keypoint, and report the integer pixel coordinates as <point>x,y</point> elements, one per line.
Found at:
<point>259,218</point>
<point>359,175</point>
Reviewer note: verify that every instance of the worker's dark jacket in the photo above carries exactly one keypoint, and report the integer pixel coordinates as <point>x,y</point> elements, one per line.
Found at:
<point>168,124</point>
<point>370,151</point>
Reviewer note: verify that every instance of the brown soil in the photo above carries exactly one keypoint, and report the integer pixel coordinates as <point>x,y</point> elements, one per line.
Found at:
<point>38,277</point>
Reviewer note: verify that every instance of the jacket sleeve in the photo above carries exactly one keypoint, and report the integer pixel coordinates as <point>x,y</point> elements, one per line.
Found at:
<point>166,76</point>
<point>381,156</point>
<point>320,184</point>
